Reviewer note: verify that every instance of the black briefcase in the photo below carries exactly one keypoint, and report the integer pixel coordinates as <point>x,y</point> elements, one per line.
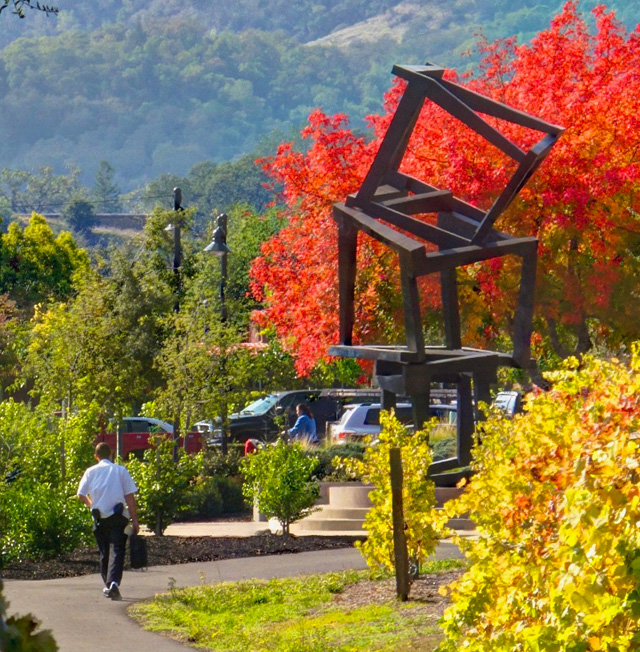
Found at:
<point>138,551</point>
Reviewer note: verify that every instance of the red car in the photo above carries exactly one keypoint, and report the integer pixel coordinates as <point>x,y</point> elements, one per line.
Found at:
<point>136,432</point>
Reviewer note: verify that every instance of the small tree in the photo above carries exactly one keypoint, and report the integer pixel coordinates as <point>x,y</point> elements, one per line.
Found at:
<point>105,191</point>
<point>162,482</point>
<point>418,493</point>
<point>278,481</point>
<point>79,214</point>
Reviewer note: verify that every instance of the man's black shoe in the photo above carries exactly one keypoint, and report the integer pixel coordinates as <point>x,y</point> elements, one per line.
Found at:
<point>112,592</point>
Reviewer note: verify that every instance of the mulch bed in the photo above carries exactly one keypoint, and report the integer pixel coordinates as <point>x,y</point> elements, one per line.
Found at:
<point>177,550</point>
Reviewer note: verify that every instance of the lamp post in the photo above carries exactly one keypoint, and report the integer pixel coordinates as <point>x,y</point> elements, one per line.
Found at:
<point>218,247</point>
<point>177,244</point>
<point>177,263</point>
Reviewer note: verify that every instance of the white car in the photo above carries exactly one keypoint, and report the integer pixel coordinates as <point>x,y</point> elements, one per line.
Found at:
<point>509,402</point>
<point>363,420</point>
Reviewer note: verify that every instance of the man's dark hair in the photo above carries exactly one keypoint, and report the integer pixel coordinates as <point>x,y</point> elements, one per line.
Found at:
<point>103,451</point>
<point>306,409</point>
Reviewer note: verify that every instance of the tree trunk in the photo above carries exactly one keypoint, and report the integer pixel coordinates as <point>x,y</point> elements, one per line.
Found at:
<point>583,343</point>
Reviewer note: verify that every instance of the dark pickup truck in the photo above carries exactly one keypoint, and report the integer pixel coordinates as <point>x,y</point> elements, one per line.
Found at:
<point>265,418</point>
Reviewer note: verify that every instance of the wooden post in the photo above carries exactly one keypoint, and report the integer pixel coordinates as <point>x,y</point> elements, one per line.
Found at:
<point>119,441</point>
<point>176,438</point>
<point>399,539</point>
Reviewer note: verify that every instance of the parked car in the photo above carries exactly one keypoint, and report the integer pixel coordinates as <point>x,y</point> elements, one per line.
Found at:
<point>270,414</point>
<point>509,402</point>
<point>136,432</point>
<point>363,420</point>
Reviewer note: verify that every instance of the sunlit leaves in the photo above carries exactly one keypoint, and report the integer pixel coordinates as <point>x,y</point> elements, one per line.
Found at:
<point>557,505</point>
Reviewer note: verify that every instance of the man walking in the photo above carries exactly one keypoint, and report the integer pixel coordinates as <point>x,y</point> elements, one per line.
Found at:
<point>105,489</point>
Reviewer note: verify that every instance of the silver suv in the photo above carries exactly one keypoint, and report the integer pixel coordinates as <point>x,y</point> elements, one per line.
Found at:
<point>363,420</point>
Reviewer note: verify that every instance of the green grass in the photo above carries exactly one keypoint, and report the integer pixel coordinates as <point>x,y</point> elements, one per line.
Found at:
<point>289,615</point>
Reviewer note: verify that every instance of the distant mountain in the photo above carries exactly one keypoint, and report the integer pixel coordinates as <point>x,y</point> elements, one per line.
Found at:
<point>156,86</point>
<point>303,20</point>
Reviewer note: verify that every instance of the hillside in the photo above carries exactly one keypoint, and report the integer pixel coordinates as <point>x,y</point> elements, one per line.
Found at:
<point>156,86</point>
<point>393,24</point>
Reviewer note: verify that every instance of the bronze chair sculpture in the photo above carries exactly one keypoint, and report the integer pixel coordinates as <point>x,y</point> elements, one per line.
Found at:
<point>463,234</point>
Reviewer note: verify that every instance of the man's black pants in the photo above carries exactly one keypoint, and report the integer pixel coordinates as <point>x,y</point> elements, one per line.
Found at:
<point>112,543</point>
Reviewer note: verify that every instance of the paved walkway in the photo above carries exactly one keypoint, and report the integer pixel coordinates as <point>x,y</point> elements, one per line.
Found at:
<point>82,620</point>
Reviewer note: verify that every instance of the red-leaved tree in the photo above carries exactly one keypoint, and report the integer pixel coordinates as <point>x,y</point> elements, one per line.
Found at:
<point>582,203</point>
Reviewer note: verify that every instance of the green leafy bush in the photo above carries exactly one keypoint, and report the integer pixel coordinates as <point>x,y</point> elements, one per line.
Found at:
<point>444,449</point>
<point>278,481</point>
<point>163,484</point>
<point>233,499</point>
<point>329,465</point>
<point>41,521</point>
<point>556,500</point>
<point>217,464</point>
<point>211,496</point>
<point>203,500</point>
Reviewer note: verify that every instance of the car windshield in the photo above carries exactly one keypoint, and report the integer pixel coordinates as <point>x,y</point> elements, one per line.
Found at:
<point>261,406</point>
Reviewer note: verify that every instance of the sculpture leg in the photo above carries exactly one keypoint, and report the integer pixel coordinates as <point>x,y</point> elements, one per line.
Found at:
<point>421,411</point>
<point>451,312</point>
<point>465,420</point>
<point>524,314</point>
<point>347,252</point>
<point>412,317</point>
<point>388,400</point>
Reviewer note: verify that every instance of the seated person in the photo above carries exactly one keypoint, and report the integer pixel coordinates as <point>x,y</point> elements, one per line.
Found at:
<point>304,428</point>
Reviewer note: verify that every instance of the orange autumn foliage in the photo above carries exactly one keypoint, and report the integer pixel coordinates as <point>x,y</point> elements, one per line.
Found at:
<point>582,203</point>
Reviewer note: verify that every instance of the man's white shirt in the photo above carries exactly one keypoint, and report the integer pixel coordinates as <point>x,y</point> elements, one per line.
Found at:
<point>107,484</point>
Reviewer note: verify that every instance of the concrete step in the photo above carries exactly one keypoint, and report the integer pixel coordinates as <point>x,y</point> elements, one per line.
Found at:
<point>444,494</point>
<point>330,520</point>
<point>461,524</point>
<point>331,524</point>
<point>344,506</point>
<point>356,495</point>
<point>351,513</point>
<point>350,495</point>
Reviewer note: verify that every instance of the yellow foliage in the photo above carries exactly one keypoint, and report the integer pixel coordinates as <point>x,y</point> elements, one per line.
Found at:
<point>418,494</point>
<point>556,501</point>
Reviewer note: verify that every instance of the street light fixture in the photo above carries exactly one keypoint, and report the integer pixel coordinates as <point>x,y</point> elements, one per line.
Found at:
<point>218,247</point>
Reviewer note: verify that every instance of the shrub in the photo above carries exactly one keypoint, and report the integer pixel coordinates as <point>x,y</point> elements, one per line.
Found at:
<point>212,496</point>
<point>556,499</point>
<point>443,449</point>
<point>278,481</point>
<point>41,521</point>
<point>217,464</point>
<point>203,500</point>
<point>163,483</point>
<point>233,500</point>
<point>418,493</point>
<point>329,465</point>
